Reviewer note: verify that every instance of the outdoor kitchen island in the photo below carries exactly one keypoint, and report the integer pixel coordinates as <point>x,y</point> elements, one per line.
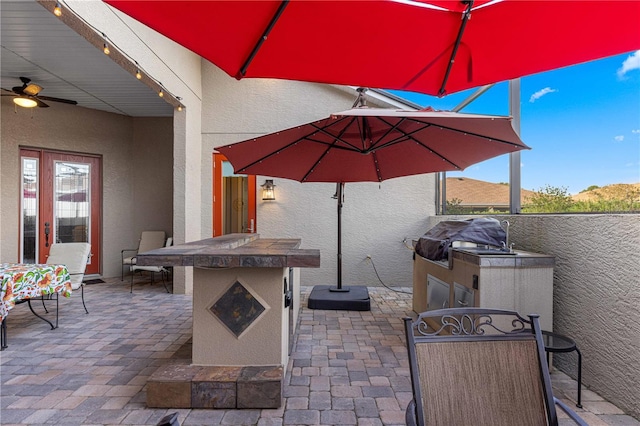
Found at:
<point>488,278</point>
<point>246,299</point>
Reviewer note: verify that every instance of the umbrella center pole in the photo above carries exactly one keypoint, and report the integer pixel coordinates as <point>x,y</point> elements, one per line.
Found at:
<point>354,298</point>
<point>339,196</point>
<point>465,17</point>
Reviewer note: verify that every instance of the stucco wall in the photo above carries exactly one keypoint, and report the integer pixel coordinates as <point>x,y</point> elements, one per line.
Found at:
<point>375,218</point>
<point>596,294</point>
<point>137,170</point>
<point>179,71</point>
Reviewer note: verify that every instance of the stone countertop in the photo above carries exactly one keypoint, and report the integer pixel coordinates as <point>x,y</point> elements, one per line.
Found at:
<point>517,259</point>
<point>234,250</point>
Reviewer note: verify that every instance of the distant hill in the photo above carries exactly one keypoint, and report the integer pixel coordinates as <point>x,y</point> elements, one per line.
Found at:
<point>481,194</point>
<point>610,192</point>
<point>472,195</point>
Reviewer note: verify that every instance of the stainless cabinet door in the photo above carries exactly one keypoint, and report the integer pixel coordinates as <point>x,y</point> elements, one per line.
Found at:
<point>463,297</point>
<point>437,293</point>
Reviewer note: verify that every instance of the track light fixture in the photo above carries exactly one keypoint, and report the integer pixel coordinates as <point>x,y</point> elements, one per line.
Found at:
<point>106,48</point>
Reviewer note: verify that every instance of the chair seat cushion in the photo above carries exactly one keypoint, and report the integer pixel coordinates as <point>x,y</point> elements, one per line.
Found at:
<point>147,268</point>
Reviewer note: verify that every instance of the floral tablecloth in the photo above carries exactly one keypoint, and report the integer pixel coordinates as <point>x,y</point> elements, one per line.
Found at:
<point>21,281</point>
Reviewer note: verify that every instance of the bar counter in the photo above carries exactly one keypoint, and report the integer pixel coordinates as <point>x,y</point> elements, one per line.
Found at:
<point>246,301</point>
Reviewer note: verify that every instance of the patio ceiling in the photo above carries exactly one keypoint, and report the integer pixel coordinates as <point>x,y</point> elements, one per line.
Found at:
<point>38,45</point>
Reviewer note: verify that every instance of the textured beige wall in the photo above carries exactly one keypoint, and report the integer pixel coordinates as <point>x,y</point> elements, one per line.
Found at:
<point>375,218</point>
<point>263,342</point>
<point>152,168</point>
<point>137,170</point>
<point>179,71</point>
<point>596,294</point>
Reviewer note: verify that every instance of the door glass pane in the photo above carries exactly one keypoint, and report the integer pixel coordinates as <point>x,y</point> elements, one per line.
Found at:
<point>235,199</point>
<point>71,202</point>
<point>29,207</point>
<point>235,204</point>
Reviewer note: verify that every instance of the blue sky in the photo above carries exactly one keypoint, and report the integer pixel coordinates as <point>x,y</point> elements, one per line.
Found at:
<point>582,123</point>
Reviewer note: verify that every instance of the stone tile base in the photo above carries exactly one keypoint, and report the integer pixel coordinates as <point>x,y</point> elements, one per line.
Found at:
<point>181,385</point>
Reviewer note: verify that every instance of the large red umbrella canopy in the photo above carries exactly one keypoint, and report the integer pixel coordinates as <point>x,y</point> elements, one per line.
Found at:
<point>430,46</point>
<point>372,144</point>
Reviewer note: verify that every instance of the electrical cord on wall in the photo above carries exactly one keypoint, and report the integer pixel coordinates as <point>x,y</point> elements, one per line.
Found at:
<point>382,282</point>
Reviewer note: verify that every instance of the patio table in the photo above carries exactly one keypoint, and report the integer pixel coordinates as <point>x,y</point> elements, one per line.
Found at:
<point>21,282</point>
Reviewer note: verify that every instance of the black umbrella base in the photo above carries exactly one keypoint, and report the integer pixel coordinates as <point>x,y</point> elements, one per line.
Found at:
<point>344,299</point>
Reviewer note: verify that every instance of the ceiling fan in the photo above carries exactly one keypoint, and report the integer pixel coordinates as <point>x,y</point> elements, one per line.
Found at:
<point>27,95</point>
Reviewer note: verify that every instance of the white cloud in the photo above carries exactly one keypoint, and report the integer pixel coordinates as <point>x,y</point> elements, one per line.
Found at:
<point>541,93</point>
<point>636,131</point>
<point>619,138</point>
<point>629,64</point>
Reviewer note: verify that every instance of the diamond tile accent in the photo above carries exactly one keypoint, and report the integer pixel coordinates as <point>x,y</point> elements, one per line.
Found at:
<point>237,308</point>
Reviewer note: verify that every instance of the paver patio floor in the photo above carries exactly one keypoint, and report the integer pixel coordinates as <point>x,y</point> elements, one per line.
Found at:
<point>347,368</point>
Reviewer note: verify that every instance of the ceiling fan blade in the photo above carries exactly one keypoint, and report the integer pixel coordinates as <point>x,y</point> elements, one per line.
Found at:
<point>32,89</point>
<point>65,101</point>
<point>40,103</point>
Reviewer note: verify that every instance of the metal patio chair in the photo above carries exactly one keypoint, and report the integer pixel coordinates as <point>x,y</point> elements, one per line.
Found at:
<point>162,270</point>
<point>74,256</point>
<point>149,240</point>
<point>475,366</point>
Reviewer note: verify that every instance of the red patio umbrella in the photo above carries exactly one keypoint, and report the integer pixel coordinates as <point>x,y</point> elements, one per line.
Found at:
<point>371,144</point>
<point>435,47</point>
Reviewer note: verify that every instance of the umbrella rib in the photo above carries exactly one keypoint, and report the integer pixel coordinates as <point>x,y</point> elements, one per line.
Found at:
<point>390,129</point>
<point>263,38</point>
<point>399,139</point>
<point>408,136</point>
<point>364,130</point>
<point>375,164</point>
<point>271,154</point>
<point>307,137</point>
<point>339,137</point>
<point>490,138</point>
<point>465,17</point>
<point>326,151</point>
<point>452,129</point>
<point>332,144</point>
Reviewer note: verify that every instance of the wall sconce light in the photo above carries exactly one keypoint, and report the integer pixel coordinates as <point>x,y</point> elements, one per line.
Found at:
<point>268,190</point>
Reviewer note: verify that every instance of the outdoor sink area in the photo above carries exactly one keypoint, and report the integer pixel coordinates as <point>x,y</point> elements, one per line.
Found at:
<point>486,251</point>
